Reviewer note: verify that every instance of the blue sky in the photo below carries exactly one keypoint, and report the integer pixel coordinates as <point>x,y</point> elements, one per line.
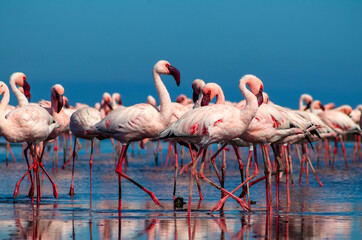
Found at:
<point>94,46</point>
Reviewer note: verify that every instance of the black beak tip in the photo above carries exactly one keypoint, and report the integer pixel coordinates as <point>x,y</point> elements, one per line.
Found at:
<point>175,73</point>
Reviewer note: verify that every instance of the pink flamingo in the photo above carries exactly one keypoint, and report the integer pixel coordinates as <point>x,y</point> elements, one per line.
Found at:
<point>139,121</point>
<point>271,123</point>
<point>341,124</point>
<point>17,79</point>
<point>106,104</point>
<point>31,124</point>
<point>216,123</point>
<point>81,121</point>
<point>116,100</point>
<point>197,86</point>
<point>356,116</point>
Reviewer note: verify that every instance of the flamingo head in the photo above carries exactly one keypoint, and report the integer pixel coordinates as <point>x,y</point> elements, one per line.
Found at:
<point>97,106</point>
<point>57,95</point>
<point>107,100</point>
<point>255,85</point>
<point>209,91</point>
<point>164,67</point>
<point>329,106</point>
<point>265,98</point>
<point>3,87</point>
<point>317,105</point>
<point>117,98</point>
<point>20,80</point>
<point>308,99</point>
<point>151,100</point>
<point>181,98</point>
<point>197,85</point>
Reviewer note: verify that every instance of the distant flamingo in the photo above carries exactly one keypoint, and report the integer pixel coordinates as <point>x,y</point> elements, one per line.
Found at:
<point>139,121</point>
<point>197,86</point>
<point>151,100</point>
<point>29,124</point>
<point>341,124</point>
<point>81,121</point>
<point>106,104</point>
<point>216,123</point>
<point>116,100</point>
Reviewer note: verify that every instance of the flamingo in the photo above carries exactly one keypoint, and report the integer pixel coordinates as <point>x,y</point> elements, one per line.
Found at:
<point>139,121</point>
<point>216,123</point>
<point>17,79</point>
<point>116,100</point>
<point>341,124</point>
<point>197,86</point>
<point>272,123</point>
<point>30,124</point>
<point>356,116</point>
<point>106,104</point>
<point>80,121</point>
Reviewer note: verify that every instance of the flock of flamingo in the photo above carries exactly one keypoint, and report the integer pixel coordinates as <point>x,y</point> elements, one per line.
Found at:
<point>195,124</point>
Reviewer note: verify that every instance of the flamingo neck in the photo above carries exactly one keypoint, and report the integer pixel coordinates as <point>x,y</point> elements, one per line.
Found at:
<point>301,104</point>
<point>251,106</point>
<point>165,100</point>
<point>4,103</point>
<point>54,104</point>
<point>220,97</point>
<point>22,100</point>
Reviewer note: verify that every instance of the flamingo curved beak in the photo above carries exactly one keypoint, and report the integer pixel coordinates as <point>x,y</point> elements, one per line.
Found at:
<point>322,107</point>
<point>109,105</point>
<point>259,97</point>
<point>59,98</point>
<point>175,73</point>
<point>307,106</point>
<point>26,88</point>
<point>205,100</point>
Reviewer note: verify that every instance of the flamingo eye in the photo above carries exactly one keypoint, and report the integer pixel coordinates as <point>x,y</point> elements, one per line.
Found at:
<point>167,65</point>
<point>24,78</point>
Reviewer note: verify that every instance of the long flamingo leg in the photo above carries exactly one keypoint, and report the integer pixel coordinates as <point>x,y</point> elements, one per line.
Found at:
<point>241,166</point>
<point>326,146</point>
<point>196,177</point>
<point>176,168</point>
<point>31,190</point>
<point>169,151</point>
<point>251,148</point>
<point>194,163</point>
<point>334,150</point>
<point>55,191</point>
<point>222,201</point>
<point>11,152</point>
<point>315,174</point>
<point>301,166</point>
<point>91,165</point>
<point>239,200</point>
<point>16,191</point>
<point>290,165</point>
<point>287,169</point>
<point>71,190</point>
<point>119,171</point>
<point>267,167</point>
<point>344,151</point>
<point>359,147</point>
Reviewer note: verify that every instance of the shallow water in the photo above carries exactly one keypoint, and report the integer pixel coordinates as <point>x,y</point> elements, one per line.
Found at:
<point>333,211</point>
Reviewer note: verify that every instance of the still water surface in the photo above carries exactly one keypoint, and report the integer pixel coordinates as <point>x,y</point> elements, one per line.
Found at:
<point>333,211</point>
